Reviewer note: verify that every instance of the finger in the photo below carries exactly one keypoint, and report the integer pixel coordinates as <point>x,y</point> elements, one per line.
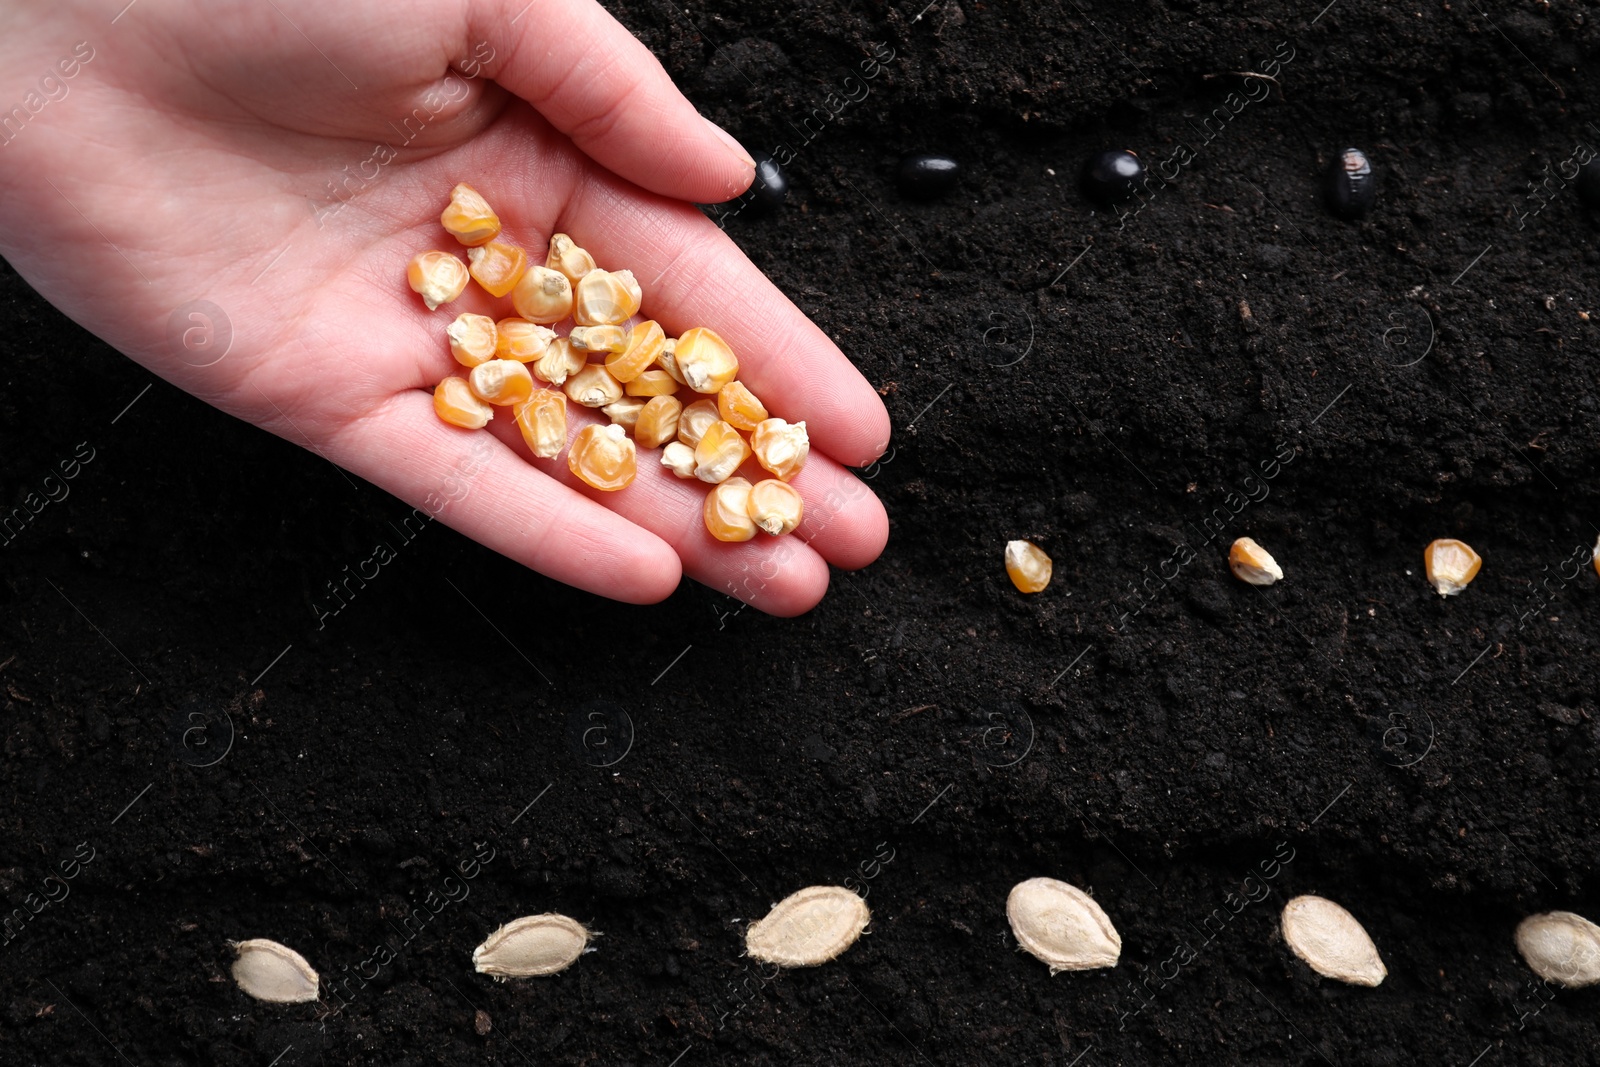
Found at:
<point>692,274</point>
<point>843,519</point>
<point>779,575</point>
<point>479,487</point>
<point>595,82</point>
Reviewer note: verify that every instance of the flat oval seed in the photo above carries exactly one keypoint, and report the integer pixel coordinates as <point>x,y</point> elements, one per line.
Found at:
<point>808,928</point>
<point>272,972</point>
<point>532,947</point>
<point>1062,925</point>
<point>1561,947</point>
<point>1331,941</point>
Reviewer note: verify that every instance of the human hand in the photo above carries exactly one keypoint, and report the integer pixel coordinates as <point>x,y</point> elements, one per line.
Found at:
<point>283,161</point>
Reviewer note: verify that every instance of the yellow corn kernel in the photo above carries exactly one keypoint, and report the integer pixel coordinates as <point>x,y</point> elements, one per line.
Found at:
<point>521,340</point>
<point>696,420</point>
<point>543,295</point>
<point>704,360</point>
<point>558,362</point>
<point>658,421</point>
<point>1252,563</point>
<point>454,403</point>
<point>497,266</point>
<point>668,359</point>
<point>543,422</point>
<point>643,346</point>
<point>678,458</point>
<point>602,456</point>
<point>654,382</point>
<point>437,277</point>
<point>608,340</point>
<point>1028,566</point>
<point>593,386</point>
<point>472,338</point>
<point>625,412</point>
<point>605,298</point>
<point>781,447</point>
<point>719,453</point>
<point>775,506</point>
<point>728,511</point>
<point>501,382</point>
<point>469,217</point>
<point>1451,565</point>
<point>568,258</point>
<point>739,407</point>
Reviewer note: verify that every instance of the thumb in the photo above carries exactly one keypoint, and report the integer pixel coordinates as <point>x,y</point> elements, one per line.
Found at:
<point>595,82</point>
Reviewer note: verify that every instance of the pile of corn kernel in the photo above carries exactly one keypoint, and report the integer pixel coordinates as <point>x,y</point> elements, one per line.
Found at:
<point>630,373</point>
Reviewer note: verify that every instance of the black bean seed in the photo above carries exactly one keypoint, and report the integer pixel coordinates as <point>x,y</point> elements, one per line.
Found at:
<point>1351,187</point>
<point>767,193</point>
<point>1112,176</point>
<point>926,175</point>
<point>1589,182</point>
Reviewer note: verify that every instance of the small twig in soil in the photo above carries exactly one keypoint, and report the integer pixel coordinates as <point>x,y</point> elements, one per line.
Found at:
<point>1248,74</point>
<point>912,711</point>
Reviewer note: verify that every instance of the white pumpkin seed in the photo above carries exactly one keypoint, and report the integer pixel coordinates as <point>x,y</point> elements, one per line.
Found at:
<point>532,947</point>
<point>1062,925</point>
<point>1561,947</point>
<point>1331,941</point>
<point>809,927</point>
<point>272,972</point>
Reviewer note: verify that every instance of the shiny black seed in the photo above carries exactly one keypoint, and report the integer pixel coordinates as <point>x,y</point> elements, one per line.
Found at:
<point>1112,176</point>
<point>1589,182</point>
<point>1351,187</point>
<point>926,175</point>
<point>767,193</point>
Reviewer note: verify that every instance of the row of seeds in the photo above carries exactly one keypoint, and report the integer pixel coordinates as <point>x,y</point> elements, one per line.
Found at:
<point>629,373</point>
<point>1450,564</point>
<point>1057,923</point>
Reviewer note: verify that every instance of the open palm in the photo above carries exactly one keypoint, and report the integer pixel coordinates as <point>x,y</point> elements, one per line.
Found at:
<point>256,175</point>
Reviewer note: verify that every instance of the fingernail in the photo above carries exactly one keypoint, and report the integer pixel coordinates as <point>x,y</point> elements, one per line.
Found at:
<point>733,146</point>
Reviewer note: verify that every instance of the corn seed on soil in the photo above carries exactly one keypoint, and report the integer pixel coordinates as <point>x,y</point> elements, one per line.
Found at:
<point>1132,395</point>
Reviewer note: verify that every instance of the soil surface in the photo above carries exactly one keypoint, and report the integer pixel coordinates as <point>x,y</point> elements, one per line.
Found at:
<point>1131,392</point>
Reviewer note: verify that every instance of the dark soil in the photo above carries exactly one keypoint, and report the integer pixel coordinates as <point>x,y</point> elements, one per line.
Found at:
<point>1230,360</point>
